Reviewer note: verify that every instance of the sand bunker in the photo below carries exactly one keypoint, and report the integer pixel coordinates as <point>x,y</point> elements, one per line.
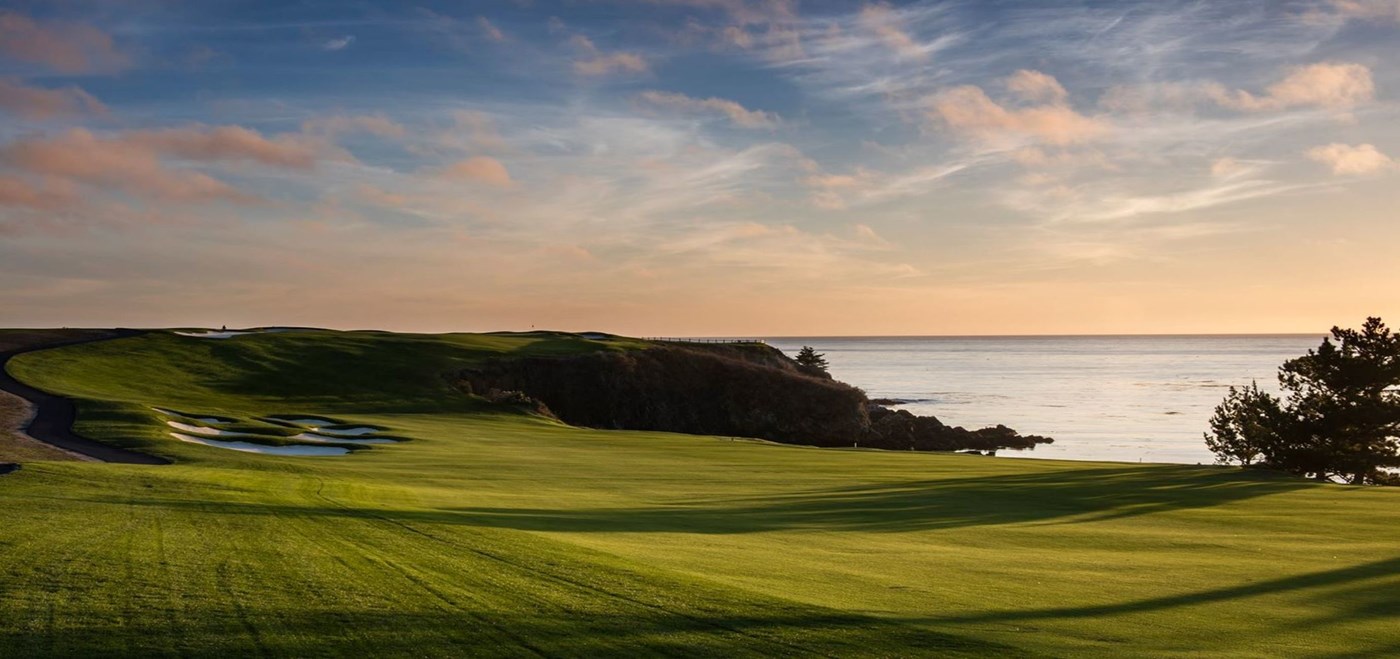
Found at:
<point>313,437</point>
<point>315,429</point>
<point>353,431</point>
<point>324,426</point>
<point>212,420</point>
<point>249,447</point>
<point>308,421</point>
<point>228,334</point>
<point>210,432</point>
<point>211,334</point>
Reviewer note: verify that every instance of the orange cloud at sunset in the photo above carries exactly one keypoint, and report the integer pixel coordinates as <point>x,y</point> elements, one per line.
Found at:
<point>64,47</point>
<point>967,110</point>
<point>42,103</point>
<point>484,169</point>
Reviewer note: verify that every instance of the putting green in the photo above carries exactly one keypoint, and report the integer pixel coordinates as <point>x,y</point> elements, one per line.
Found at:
<point>499,534</point>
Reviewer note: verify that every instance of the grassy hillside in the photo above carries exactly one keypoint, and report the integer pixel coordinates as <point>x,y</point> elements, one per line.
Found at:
<point>505,535</point>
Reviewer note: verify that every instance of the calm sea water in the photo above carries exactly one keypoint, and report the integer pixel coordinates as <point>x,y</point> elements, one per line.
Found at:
<point>1119,398</point>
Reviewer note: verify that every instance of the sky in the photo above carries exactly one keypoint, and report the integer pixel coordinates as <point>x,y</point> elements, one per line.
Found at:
<point>702,167</point>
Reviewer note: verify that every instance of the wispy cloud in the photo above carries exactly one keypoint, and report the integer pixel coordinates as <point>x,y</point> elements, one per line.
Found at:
<point>967,110</point>
<point>882,55</point>
<point>1338,85</point>
<point>338,43</point>
<point>865,186</point>
<point>489,30</point>
<point>376,124</point>
<point>887,24</point>
<point>482,169</point>
<point>477,129</point>
<point>595,62</point>
<point>736,113</point>
<point>1110,202</point>
<point>1386,10</point>
<point>1351,160</point>
<point>1036,87</point>
<point>42,103</point>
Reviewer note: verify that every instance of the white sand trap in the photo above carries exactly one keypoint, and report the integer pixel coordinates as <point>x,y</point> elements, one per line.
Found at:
<point>347,432</point>
<point>201,430</point>
<point>228,334</point>
<point>313,437</point>
<point>309,422</point>
<point>249,447</point>
<point>211,334</point>
<point>212,420</point>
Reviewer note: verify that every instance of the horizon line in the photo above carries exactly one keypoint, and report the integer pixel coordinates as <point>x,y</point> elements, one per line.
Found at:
<point>1027,336</point>
<point>735,336</point>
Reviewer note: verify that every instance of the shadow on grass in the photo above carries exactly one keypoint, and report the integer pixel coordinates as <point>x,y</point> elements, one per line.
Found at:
<point>1372,583</point>
<point>480,632</point>
<point>1070,496</point>
<point>1059,497</point>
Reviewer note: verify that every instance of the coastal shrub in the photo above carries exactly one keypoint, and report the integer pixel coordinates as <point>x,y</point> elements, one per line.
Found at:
<point>517,399</point>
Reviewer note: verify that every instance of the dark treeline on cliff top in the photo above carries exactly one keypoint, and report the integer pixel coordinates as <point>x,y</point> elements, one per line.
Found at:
<point>743,390</point>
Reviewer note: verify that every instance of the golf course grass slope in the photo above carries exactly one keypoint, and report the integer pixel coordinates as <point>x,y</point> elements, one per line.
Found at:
<point>495,533</point>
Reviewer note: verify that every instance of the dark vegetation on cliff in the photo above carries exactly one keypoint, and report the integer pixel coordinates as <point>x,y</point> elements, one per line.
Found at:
<point>744,390</point>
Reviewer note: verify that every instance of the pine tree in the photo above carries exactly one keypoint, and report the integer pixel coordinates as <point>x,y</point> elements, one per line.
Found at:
<point>1245,426</point>
<point>1341,417</point>
<point>1345,402</point>
<point>810,360</point>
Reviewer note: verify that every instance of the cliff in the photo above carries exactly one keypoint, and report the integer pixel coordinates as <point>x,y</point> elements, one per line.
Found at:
<point>744,390</point>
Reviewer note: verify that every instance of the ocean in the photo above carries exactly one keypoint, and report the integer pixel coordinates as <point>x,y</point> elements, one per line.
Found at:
<point>1113,398</point>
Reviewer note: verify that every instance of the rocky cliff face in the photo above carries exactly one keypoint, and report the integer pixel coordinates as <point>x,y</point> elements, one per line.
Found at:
<point>733,390</point>
<point>901,430</point>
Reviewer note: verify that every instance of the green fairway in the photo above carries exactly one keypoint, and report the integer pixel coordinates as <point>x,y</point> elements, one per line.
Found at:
<point>489,533</point>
